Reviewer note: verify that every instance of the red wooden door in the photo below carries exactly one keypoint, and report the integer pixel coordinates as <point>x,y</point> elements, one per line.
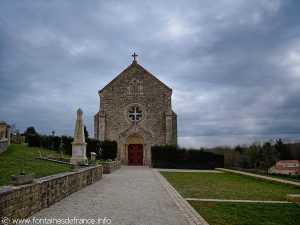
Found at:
<point>135,154</point>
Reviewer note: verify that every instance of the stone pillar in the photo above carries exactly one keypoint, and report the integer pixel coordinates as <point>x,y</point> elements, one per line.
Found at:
<point>101,131</point>
<point>169,129</point>
<point>96,126</point>
<point>144,155</point>
<point>126,154</point>
<point>8,135</point>
<point>78,144</point>
<point>174,128</point>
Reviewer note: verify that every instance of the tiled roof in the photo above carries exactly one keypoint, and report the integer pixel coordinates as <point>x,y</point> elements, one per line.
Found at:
<point>281,167</point>
<point>288,161</point>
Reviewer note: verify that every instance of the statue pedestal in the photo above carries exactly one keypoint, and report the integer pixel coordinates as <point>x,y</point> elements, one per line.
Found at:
<point>78,153</point>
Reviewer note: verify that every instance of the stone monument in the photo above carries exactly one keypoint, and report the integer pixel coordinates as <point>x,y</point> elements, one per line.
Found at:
<point>78,144</point>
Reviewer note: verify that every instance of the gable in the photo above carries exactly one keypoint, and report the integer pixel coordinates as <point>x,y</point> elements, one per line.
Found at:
<point>132,69</point>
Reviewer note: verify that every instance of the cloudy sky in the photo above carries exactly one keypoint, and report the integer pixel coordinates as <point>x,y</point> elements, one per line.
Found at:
<point>233,65</point>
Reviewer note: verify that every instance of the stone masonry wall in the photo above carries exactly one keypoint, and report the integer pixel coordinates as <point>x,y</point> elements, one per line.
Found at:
<point>155,97</point>
<point>18,202</point>
<point>3,145</point>
<point>109,167</point>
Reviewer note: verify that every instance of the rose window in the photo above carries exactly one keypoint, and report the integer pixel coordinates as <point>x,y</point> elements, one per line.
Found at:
<point>135,114</point>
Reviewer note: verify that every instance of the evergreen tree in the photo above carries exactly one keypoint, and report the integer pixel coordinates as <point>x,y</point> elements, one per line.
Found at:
<point>30,130</point>
<point>283,150</point>
<point>86,134</point>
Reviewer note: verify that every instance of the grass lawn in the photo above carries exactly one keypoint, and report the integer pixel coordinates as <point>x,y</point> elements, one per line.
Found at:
<point>20,158</point>
<point>226,186</point>
<point>248,213</point>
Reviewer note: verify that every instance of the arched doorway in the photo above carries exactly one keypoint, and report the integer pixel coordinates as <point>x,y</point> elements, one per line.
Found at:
<point>135,154</point>
<point>135,149</point>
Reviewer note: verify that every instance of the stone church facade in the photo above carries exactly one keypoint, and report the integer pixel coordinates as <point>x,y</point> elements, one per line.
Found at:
<point>136,111</point>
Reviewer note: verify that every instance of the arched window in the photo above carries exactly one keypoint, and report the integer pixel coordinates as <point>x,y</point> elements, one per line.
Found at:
<point>135,87</point>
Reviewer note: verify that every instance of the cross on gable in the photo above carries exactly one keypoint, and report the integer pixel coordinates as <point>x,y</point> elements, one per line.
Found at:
<point>134,56</point>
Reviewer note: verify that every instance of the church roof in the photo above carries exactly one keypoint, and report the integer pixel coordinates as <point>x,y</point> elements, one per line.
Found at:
<point>130,67</point>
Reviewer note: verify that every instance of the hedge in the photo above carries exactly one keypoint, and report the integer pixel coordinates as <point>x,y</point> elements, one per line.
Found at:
<point>50,142</point>
<point>56,143</point>
<point>173,157</point>
<point>105,149</point>
<point>93,145</point>
<point>46,141</point>
<point>109,149</point>
<point>33,140</point>
<point>67,144</point>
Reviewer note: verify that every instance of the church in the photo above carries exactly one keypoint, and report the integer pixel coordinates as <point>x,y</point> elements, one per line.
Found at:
<point>136,111</point>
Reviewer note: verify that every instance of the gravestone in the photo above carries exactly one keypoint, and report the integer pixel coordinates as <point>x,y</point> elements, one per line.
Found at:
<point>79,144</point>
<point>17,138</point>
<point>2,131</point>
<point>4,136</point>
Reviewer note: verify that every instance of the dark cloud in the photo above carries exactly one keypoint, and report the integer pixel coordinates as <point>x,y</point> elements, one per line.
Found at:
<point>233,65</point>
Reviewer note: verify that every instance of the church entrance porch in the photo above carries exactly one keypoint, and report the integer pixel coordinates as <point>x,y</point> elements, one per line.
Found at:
<point>135,154</point>
<point>134,150</point>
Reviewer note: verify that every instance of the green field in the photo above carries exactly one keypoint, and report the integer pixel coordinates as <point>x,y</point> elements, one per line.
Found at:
<point>232,186</point>
<point>20,158</point>
<point>248,213</point>
<point>226,186</point>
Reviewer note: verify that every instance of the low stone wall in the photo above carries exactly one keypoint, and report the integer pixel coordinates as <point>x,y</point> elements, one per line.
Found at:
<point>18,202</point>
<point>293,198</point>
<point>3,145</point>
<point>109,167</point>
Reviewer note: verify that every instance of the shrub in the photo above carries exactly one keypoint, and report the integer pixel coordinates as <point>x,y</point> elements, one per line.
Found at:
<point>33,140</point>
<point>29,131</point>
<point>46,141</point>
<point>109,149</point>
<point>50,142</point>
<point>67,144</point>
<point>105,149</point>
<point>173,157</point>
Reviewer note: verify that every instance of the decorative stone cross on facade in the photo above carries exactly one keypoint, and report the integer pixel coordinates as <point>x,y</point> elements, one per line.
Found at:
<point>135,113</point>
<point>134,56</point>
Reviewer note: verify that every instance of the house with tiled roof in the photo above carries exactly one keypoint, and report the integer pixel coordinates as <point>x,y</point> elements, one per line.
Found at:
<point>288,167</point>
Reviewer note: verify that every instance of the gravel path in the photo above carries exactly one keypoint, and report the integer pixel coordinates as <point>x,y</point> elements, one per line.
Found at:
<point>128,196</point>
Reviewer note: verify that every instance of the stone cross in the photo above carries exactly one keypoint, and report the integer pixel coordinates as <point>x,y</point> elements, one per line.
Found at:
<point>134,56</point>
